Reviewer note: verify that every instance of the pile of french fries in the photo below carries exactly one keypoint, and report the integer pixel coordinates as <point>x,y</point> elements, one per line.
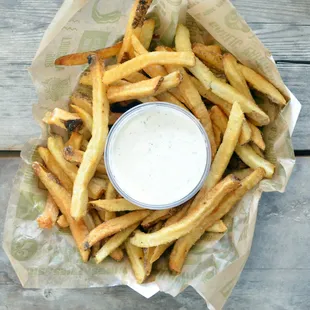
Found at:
<point>211,84</point>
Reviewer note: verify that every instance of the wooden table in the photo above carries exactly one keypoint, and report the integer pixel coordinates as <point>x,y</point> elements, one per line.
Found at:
<point>277,274</point>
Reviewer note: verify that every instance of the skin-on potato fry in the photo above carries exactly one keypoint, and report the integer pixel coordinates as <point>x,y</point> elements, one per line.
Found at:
<point>49,216</point>
<point>82,58</point>
<point>94,151</point>
<point>256,149</point>
<point>184,244</point>
<point>55,168</point>
<point>259,83</point>
<point>133,91</point>
<point>82,101</point>
<point>203,206</point>
<point>114,205</point>
<point>147,32</point>
<point>75,140</point>
<point>250,158</point>
<point>157,216</point>
<point>134,26</point>
<point>218,227</point>
<point>86,118</point>
<point>63,199</point>
<point>136,258</point>
<point>114,242</point>
<point>235,77</point>
<point>62,221</point>
<point>212,58</point>
<point>63,119</point>
<point>257,137</point>
<point>113,226</point>
<point>186,59</point>
<point>227,147</point>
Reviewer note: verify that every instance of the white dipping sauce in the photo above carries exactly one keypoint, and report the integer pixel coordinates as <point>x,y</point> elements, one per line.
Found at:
<point>157,154</point>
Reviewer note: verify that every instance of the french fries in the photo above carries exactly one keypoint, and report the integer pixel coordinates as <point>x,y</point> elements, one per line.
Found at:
<point>257,137</point>
<point>82,101</point>
<point>157,216</point>
<point>85,117</point>
<point>218,227</point>
<point>114,205</point>
<point>75,141</point>
<point>96,145</point>
<point>49,216</point>
<point>147,32</point>
<point>82,58</point>
<point>62,222</point>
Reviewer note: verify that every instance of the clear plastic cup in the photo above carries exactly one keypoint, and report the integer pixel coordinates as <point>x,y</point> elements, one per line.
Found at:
<point>117,129</point>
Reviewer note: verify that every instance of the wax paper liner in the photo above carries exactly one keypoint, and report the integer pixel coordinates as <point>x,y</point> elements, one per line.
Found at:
<point>48,258</point>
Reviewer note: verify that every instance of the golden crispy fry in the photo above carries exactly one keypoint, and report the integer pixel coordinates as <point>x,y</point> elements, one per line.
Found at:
<point>62,221</point>
<point>134,26</point>
<point>95,148</point>
<point>63,119</point>
<point>212,48</point>
<point>259,83</point>
<point>86,79</point>
<point>184,244</point>
<point>219,118</point>
<point>217,136</point>
<point>227,147</point>
<point>256,149</point>
<point>242,173</point>
<point>86,118</point>
<point>212,58</point>
<point>161,58</point>
<point>90,224</point>
<point>117,254</point>
<point>97,187</point>
<point>218,227</point>
<point>41,185</point>
<point>113,226</point>
<point>133,91</point>
<point>83,102</point>
<point>114,242</point>
<point>110,193</point>
<point>168,97</point>
<point>136,258</point>
<point>235,77</point>
<point>49,216</point>
<point>147,32</point>
<point>157,216</point>
<point>136,77</point>
<point>245,134</point>
<point>72,155</point>
<point>160,249</point>
<point>63,199</point>
<point>204,205</point>
<point>55,168</point>
<point>257,137</point>
<point>250,158</point>
<point>114,205</point>
<point>75,140</point>
<point>82,58</point>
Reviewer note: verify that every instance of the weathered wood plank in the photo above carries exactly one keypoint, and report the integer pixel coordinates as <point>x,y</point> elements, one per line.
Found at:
<point>276,276</point>
<point>280,11</point>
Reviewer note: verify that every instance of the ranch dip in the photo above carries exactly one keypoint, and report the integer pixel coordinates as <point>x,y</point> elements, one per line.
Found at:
<point>157,155</point>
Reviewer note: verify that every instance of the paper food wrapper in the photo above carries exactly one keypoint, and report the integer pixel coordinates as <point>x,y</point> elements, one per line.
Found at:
<point>48,258</point>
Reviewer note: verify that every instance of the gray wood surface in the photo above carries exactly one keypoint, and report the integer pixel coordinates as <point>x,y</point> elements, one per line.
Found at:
<point>284,26</point>
<point>276,276</point>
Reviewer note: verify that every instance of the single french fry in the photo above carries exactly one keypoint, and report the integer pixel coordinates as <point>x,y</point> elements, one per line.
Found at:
<point>184,244</point>
<point>147,32</point>
<point>136,77</point>
<point>217,136</point>
<point>75,140</point>
<point>136,258</point>
<point>86,79</point>
<point>259,83</point>
<point>62,221</point>
<point>219,118</point>
<point>256,149</point>
<point>110,193</point>
<point>114,205</point>
<point>212,58</point>
<point>114,242</point>
<point>242,173</point>
<point>235,77</point>
<point>84,145</point>
<point>49,216</point>
<point>227,147</point>
<point>63,200</point>
<point>204,205</point>
<point>168,97</point>
<point>211,48</point>
<point>63,119</point>
<point>97,187</point>
<point>95,148</point>
<point>217,227</point>
<point>82,58</point>
<point>117,254</point>
<point>250,158</point>
<point>113,226</point>
<point>245,134</point>
<point>157,216</point>
<point>186,59</point>
<point>86,118</point>
<point>134,26</point>
<point>83,102</point>
<point>55,168</point>
<point>257,137</point>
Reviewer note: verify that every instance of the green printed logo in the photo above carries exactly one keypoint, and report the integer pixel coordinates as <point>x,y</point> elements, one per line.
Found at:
<point>55,88</point>
<point>29,206</point>
<point>64,48</point>
<point>23,248</point>
<point>93,40</point>
<point>104,18</point>
<point>234,21</point>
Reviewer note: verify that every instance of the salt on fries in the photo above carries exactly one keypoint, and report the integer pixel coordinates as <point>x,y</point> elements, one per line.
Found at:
<point>80,194</point>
